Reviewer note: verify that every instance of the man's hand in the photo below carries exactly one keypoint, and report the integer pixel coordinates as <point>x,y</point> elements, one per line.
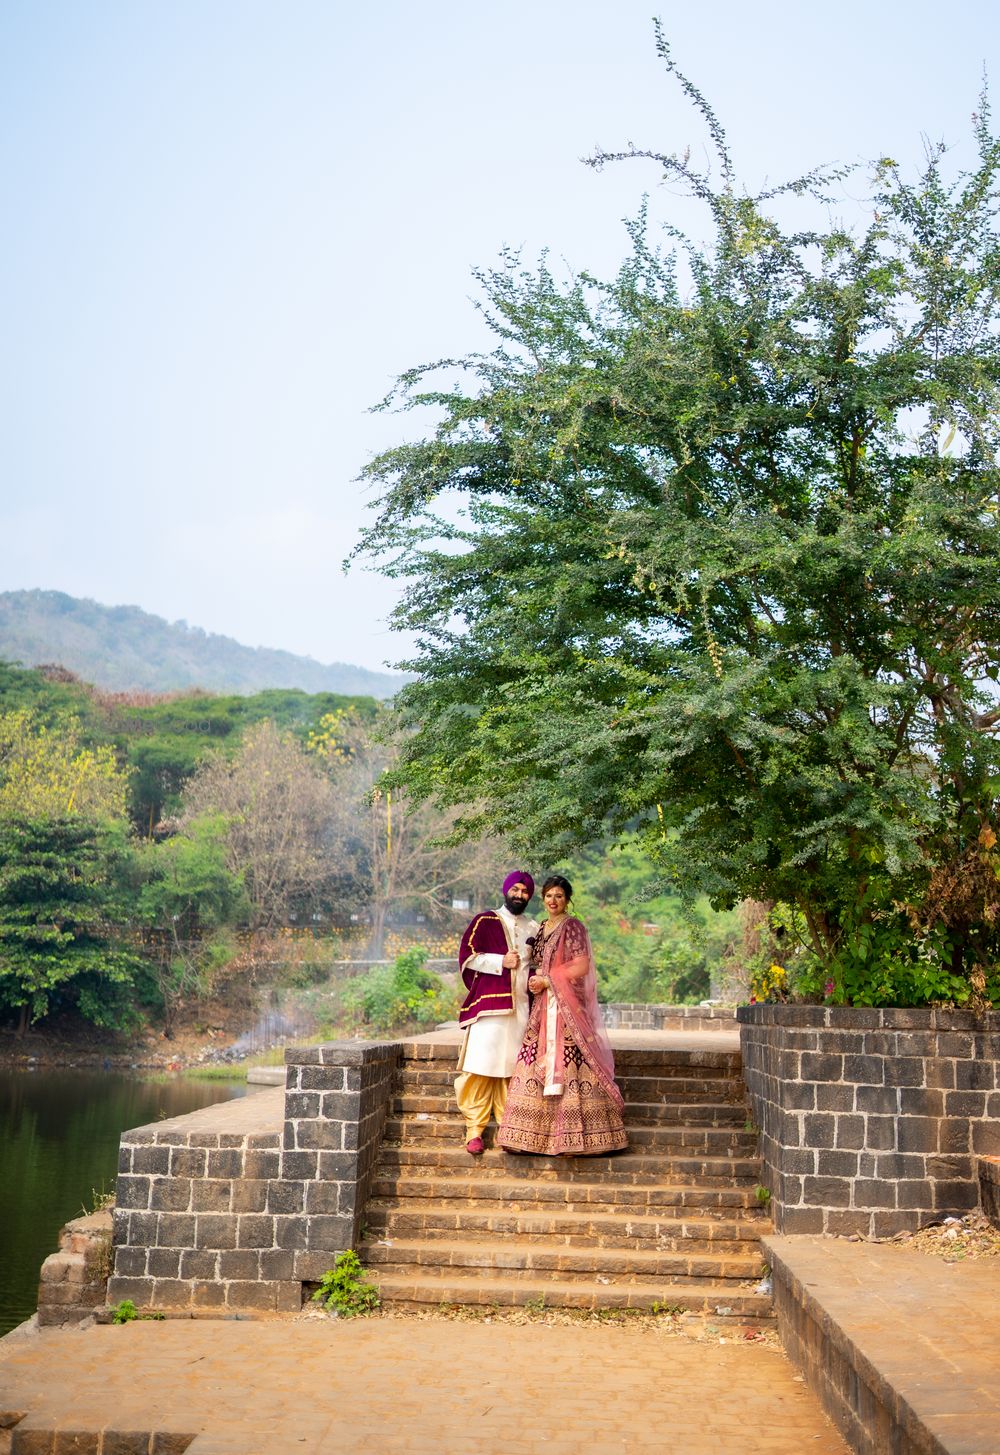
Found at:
<point>511,960</point>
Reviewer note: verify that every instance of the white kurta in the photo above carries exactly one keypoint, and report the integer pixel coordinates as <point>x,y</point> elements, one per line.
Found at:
<point>491,1045</point>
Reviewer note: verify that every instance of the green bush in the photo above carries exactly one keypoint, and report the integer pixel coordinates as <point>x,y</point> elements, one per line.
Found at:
<point>393,997</point>
<point>344,1290</point>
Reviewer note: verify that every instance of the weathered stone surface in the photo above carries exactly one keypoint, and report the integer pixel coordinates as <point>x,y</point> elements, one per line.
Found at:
<point>880,1098</point>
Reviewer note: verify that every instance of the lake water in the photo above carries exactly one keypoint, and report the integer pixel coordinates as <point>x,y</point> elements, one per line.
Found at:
<point>59,1135</point>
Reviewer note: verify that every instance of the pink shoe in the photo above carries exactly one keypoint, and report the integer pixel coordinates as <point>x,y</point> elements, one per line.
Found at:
<point>475,1146</point>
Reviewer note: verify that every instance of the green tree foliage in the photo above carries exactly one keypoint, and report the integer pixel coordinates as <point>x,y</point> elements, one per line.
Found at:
<point>648,947</point>
<point>726,562</point>
<point>47,772</point>
<point>184,897</point>
<point>398,996</point>
<point>164,742</point>
<point>63,920</point>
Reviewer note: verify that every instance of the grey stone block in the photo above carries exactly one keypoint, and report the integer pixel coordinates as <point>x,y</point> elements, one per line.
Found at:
<point>170,1194</point>
<point>213,1194</point>
<point>208,1294</point>
<point>132,1192</point>
<point>291,1231</point>
<point>214,1230</point>
<point>225,1162</point>
<point>322,1135</point>
<point>277,1263</point>
<point>255,1295</point>
<point>175,1230</point>
<point>322,1197</point>
<point>286,1197</point>
<point>335,1232</point>
<point>188,1161</point>
<point>151,1160</point>
<point>199,1263</point>
<point>302,1105</point>
<point>299,1166</point>
<point>255,1231</point>
<point>262,1165</point>
<point>250,1195</point>
<point>240,1263</point>
<point>163,1262</point>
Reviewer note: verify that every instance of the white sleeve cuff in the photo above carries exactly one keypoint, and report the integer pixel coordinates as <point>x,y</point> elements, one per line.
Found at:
<point>486,964</point>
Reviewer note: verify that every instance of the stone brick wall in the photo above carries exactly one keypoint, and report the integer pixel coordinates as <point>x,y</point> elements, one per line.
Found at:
<point>623,1016</point>
<point>336,1100</point>
<point>201,1209</point>
<point>870,1120</point>
<point>237,1205</point>
<point>73,1280</point>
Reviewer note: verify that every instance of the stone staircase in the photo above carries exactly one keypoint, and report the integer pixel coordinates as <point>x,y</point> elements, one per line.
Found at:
<point>672,1223</point>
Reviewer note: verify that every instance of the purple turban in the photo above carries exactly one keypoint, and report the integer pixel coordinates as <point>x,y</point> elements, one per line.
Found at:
<point>519,876</point>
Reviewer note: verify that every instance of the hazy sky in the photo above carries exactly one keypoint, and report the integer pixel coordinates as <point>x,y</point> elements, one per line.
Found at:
<point>229,224</point>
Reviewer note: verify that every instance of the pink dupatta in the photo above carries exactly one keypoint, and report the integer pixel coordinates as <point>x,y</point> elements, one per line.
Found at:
<point>571,1005</point>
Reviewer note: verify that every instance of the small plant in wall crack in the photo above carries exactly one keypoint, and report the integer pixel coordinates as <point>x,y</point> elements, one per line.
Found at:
<point>762,1195</point>
<point>126,1311</point>
<point>344,1291</point>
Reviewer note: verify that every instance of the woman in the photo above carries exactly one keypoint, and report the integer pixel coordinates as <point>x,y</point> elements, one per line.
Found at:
<point>562,1099</point>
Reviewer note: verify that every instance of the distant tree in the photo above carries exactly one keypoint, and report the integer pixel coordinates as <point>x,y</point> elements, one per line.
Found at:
<point>397,849</point>
<point>276,805</point>
<point>63,920</point>
<point>729,566</point>
<point>47,772</point>
<point>185,895</point>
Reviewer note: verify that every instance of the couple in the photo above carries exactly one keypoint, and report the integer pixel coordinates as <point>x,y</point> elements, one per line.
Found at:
<point>531,1019</point>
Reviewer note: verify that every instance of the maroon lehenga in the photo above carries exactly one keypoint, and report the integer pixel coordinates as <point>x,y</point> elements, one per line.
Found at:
<point>562,1099</point>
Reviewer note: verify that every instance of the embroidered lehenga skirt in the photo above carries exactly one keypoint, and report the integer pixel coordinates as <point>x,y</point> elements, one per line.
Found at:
<point>582,1121</point>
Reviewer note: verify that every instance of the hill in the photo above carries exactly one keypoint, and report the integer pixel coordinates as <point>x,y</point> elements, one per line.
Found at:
<point>123,649</point>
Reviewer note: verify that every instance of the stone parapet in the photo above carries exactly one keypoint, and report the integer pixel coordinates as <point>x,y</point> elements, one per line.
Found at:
<point>336,1101</point>
<point>900,1347</point>
<point>628,1016</point>
<point>870,1120</point>
<point>238,1205</point>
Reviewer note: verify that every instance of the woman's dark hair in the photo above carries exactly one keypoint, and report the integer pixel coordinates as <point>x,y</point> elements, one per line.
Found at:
<point>556,881</point>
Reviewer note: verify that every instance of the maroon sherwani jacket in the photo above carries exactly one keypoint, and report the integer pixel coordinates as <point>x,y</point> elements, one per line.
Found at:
<point>488,994</point>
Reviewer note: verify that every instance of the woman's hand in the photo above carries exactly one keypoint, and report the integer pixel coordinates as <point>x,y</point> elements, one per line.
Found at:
<point>538,982</point>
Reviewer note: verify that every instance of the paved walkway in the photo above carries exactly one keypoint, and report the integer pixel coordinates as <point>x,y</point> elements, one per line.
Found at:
<point>429,1387</point>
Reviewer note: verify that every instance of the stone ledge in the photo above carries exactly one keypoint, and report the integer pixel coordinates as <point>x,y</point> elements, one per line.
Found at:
<point>902,1348</point>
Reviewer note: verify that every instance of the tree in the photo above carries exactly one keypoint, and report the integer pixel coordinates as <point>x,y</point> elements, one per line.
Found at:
<point>63,920</point>
<point>46,771</point>
<point>395,850</point>
<point>727,565</point>
<point>276,805</point>
<point>185,894</point>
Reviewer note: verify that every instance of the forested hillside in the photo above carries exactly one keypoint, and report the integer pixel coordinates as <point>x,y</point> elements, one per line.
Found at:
<point>121,648</point>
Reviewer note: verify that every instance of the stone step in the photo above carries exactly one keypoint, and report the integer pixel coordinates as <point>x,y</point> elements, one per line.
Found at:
<point>712,1141</point>
<point>627,1058</point>
<point>519,1259</point>
<point>694,1113</point>
<point>632,1166</point>
<point>686,1085</point>
<point>719,1300</point>
<point>415,1184</point>
<point>391,1219</point>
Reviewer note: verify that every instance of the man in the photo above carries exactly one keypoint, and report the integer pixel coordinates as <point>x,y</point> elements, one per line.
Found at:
<point>493,960</point>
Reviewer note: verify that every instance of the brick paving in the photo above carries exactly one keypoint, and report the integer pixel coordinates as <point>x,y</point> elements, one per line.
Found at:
<point>430,1387</point>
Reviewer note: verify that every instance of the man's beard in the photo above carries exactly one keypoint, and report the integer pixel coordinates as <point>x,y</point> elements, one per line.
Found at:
<point>516,906</point>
